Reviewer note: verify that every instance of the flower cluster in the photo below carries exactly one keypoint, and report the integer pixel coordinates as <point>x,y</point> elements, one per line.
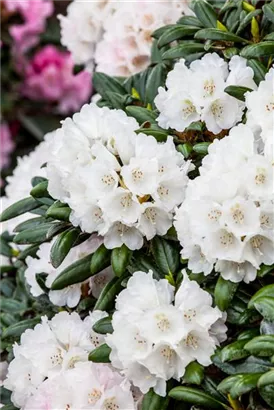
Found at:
<point>260,111</point>
<point>197,93</point>
<point>70,295</point>
<point>49,77</point>
<point>50,368</point>
<point>161,332</point>
<point>34,14</point>
<point>118,183</point>
<point>227,217</point>
<point>116,35</point>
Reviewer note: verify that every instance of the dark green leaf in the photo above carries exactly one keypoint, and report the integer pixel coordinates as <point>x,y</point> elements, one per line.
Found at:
<point>261,345</point>
<point>263,49</point>
<point>141,114</point>
<point>103,326</point>
<point>34,235</point>
<point>104,83</point>
<point>210,386</point>
<point>205,13</point>
<point>166,255</point>
<point>190,21</point>
<point>237,91</point>
<point>30,224</point>
<point>40,190</point>
<point>63,245</point>
<point>56,228</point>
<point>184,50</point>
<point>247,19</point>
<point>265,306</point>
<point>59,211</point>
<point>224,292</point>
<point>265,270</point>
<point>18,328</point>
<point>250,365</point>
<point>263,292</point>
<point>5,248</point>
<point>152,401</point>
<point>11,305</point>
<point>201,148</point>
<point>194,373</point>
<point>100,259</point>
<point>244,384</point>
<point>77,272</point>
<point>100,354</point>
<point>107,296</point>
<point>159,135</point>
<point>259,70</point>
<point>227,383</point>
<point>155,79</point>
<point>19,208</point>
<point>144,263</point>
<point>220,35</point>
<point>268,10</point>
<point>234,351</point>
<point>185,149</point>
<point>157,33</point>
<point>120,258</point>
<point>196,397</point>
<point>36,180</point>
<point>230,52</point>
<point>176,32</point>
<point>248,334</point>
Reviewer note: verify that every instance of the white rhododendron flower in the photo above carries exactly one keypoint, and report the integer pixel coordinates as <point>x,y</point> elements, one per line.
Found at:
<point>162,332</point>
<point>227,217</point>
<point>71,295</point>
<point>19,183</point>
<point>197,93</point>
<point>260,113</point>
<point>118,183</point>
<point>116,36</point>
<point>48,351</point>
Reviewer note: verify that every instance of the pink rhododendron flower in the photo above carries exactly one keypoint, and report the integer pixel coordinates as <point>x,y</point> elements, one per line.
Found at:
<point>7,145</point>
<point>49,77</point>
<point>34,13</point>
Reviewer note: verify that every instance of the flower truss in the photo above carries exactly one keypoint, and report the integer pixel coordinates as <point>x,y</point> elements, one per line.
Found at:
<point>50,368</point>
<point>157,334</point>
<point>116,35</point>
<point>197,93</point>
<point>70,295</point>
<point>118,183</point>
<point>226,219</point>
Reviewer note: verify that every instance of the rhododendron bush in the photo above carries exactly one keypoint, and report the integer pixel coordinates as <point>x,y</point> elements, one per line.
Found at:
<point>138,237</point>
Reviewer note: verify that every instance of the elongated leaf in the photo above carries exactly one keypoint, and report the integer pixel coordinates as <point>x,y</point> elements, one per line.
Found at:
<point>248,334</point>
<point>155,79</point>
<point>5,248</point>
<point>152,401</point>
<point>263,292</point>
<point>224,292</point>
<point>103,326</point>
<point>194,373</point>
<point>263,49</point>
<point>11,305</point>
<point>205,13</point>
<point>230,52</point>
<point>100,354</point>
<point>77,272</point>
<point>176,32</point>
<point>265,306</point>
<point>237,91</point>
<point>261,345</point>
<point>56,228</point>
<point>210,386</point>
<point>268,10</point>
<point>104,83</point>
<point>201,148</point>
<point>40,190</point>
<point>195,397</point>
<point>144,263</point>
<point>18,328</point>
<point>220,35</point>
<point>266,379</point>
<point>184,50</point>
<point>141,114</point>
<point>258,68</point>
<point>166,255</point>
<point>227,383</point>
<point>36,180</point>
<point>30,224</point>
<point>247,20</point>
<point>243,384</point>
<point>120,258</point>
<point>190,21</point>
<point>234,351</point>
<point>250,365</point>
<point>157,33</point>
<point>59,211</point>
<point>19,208</point>
<point>100,259</point>
<point>63,245</point>
<point>107,297</point>
<point>34,235</point>
<point>159,135</point>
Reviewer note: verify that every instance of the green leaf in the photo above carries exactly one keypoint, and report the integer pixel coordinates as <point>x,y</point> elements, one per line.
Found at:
<point>201,148</point>
<point>63,245</point>
<point>11,305</point>
<point>117,100</point>
<point>247,19</point>
<point>259,70</point>
<point>184,50</point>
<point>205,13</point>
<point>9,407</point>
<point>185,149</point>
<point>79,271</point>
<point>18,328</point>
<point>230,52</point>
<point>268,10</point>
<point>139,261</point>
<point>266,291</point>
<point>220,35</point>
<point>195,397</point>
<point>210,386</point>
<point>265,306</point>
<point>234,351</point>
<point>155,79</point>
<point>190,21</point>
<point>244,383</point>
<point>103,83</point>
<point>56,228</point>
<point>5,248</point>
<point>19,208</point>
<point>263,49</point>
<point>103,326</point>
<point>248,334</point>
<point>157,33</point>
<point>194,373</point>
<point>107,296</point>
<point>120,258</point>
<point>59,211</point>
<point>100,354</point>
<point>224,292</point>
<point>34,235</point>
<point>269,36</point>
<point>152,401</point>
<point>227,383</point>
<point>237,91</point>
<point>266,379</point>
<point>159,135</point>
<point>141,114</point>
<point>30,224</point>
<point>166,255</point>
<point>176,32</point>
<point>40,190</point>
<point>100,259</point>
<point>266,328</point>
<point>250,365</point>
<point>266,387</point>
<point>261,345</point>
